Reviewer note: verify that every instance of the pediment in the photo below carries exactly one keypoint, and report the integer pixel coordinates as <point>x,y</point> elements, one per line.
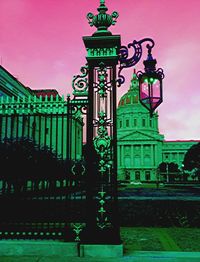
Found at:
<point>138,135</point>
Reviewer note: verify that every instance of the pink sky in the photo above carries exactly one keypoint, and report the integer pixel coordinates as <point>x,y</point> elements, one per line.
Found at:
<point>41,44</point>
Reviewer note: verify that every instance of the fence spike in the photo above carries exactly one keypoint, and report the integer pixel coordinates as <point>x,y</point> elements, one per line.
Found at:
<point>35,98</point>
<point>46,98</point>
<point>29,99</point>
<point>12,99</point>
<point>7,99</point>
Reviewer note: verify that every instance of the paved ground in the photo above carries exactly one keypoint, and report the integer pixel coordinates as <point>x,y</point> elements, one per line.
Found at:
<point>135,257</point>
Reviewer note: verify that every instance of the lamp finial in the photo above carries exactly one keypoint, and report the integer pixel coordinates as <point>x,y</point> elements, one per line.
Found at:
<point>102,21</point>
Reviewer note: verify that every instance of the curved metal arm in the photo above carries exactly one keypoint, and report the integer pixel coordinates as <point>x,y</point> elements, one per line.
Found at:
<point>124,59</point>
<point>80,82</point>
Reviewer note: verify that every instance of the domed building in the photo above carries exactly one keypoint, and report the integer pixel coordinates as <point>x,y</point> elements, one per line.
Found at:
<point>141,148</point>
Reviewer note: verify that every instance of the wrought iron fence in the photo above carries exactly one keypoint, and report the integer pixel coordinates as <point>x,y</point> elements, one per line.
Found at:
<point>42,179</point>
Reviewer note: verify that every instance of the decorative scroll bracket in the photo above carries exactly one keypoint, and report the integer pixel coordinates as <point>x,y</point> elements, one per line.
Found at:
<point>126,61</point>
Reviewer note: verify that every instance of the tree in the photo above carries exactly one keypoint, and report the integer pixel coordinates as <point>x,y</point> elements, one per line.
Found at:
<point>169,171</point>
<point>22,161</point>
<point>192,161</point>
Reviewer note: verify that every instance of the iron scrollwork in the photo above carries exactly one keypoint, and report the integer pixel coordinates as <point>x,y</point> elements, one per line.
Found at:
<point>126,61</point>
<point>80,82</point>
<point>102,143</point>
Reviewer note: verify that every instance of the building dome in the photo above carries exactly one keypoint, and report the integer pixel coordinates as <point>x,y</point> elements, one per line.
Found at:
<point>132,96</point>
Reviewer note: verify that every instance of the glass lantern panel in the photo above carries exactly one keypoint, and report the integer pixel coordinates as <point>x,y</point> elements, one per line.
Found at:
<point>154,102</point>
<point>144,89</point>
<point>146,102</point>
<point>155,88</point>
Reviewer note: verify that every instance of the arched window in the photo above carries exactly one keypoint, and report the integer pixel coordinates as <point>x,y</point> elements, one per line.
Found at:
<point>127,122</point>
<point>147,175</point>
<point>127,175</point>
<point>143,122</point>
<point>137,175</point>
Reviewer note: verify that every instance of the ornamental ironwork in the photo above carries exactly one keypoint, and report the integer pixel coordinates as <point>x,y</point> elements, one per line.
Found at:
<point>102,143</point>
<point>126,61</point>
<point>102,20</point>
<point>80,83</point>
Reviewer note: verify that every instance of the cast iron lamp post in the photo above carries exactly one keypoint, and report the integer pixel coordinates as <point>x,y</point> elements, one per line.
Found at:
<point>104,53</point>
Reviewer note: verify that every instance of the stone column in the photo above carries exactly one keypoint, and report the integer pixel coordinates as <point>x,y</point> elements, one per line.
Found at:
<point>122,156</point>
<point>119,155</point>
<point>142,155</point>
<point>132,153</point>
<point>152,156</point>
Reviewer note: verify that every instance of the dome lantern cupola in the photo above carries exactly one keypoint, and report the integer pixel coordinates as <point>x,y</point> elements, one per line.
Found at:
<point>132,96</point>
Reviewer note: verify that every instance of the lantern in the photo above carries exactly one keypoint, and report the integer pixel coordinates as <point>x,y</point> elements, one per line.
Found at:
<point>150,83</point>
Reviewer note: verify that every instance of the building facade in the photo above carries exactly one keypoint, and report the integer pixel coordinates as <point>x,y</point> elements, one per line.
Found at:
<point>10,86</point>
<point>41,116</point>
<point>141,147</point>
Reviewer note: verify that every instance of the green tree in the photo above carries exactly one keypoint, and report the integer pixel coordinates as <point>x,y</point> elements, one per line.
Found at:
<point>192,161</point>
<point>169,171</point>
<point>22,161</point>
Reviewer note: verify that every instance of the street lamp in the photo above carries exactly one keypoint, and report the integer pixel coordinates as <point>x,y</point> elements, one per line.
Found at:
<point>104,54</point>
<point>150,81</point>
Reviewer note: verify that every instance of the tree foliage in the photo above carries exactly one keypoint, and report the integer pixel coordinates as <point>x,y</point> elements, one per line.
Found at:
<point>23,160</point>
<point>192,161</point>
<point>169,169</point>
<point>192,158</point>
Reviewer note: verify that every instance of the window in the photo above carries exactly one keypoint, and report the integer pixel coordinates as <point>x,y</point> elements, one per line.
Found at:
<point>127,123</point>
<point>147,160</point>
<point>120,124</point>
<point>137,175</point>
<point>135,122</point>
<point>127,175</point>
<point>127,161</point>
<point>137,160</point>
<point>143,122</point>
<point>147,175</point>
<point>150,123</point>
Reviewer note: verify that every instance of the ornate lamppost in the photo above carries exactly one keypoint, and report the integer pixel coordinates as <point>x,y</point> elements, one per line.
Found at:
<point>104,53</point>
<point>102,226</point>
